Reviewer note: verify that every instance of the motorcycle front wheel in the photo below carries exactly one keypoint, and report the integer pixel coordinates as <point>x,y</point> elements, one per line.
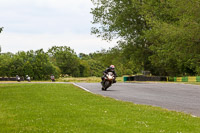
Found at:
<point>107,84</point>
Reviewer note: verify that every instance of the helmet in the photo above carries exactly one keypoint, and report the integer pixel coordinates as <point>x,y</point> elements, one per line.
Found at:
<point>112,67</point>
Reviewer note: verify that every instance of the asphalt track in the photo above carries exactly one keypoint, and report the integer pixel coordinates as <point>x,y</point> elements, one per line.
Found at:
<point>172,96</point>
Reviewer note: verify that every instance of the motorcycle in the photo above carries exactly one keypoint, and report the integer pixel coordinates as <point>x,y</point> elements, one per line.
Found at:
<point>108,81</point>
<point>53,80</point>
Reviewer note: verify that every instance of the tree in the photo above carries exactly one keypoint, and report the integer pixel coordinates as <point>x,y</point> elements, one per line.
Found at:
<point>1,29</point>
<point>123,19</point>
<point>17,64</point>
<point>42,67</point>
<point>118,18</point>
<point>66,59</point>
<point>36,64</point>
<point>174,35</point>
<point>0,32</point>
<point>157,35</point>
<point>5,64</point>
<point>84,68</point>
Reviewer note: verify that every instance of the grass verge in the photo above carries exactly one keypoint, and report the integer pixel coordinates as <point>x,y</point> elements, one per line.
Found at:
<point>65,108</point>
<point>85,79</point>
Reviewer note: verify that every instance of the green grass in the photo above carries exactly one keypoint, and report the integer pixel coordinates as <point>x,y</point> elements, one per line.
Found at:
<point>85,79</point>
<point>63,108</point>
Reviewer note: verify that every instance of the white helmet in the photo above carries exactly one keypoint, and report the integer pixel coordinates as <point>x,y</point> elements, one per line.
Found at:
<point>112,66</point>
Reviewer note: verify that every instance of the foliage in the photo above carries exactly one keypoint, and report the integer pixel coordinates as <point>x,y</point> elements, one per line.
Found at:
<point>35,64</point>
<point>1,29</point>
<point>5,64</point>
<point>175,35</point>
<point>0,32</point>
<point>118,19</point>
<point>42,67</point>
<point>122,19</point>
<point>84,69</point>
<point>156,35</point>
<point>66,59</point>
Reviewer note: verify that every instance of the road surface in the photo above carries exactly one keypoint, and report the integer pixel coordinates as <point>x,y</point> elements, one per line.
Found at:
<point>172,96</point>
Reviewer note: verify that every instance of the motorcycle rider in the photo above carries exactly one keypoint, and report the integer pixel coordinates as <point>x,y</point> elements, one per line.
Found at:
<point>28,78</point>
<point>17,78</point>
<point>52,78</point>
<point>109,69</point>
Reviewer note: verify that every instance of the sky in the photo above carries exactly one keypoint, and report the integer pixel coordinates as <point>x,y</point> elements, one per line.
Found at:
<point>36,24</point>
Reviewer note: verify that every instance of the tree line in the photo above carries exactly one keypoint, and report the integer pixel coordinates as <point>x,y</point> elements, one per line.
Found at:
<point>39,65</point>
<point>58,60</point>
<point>62,61</point>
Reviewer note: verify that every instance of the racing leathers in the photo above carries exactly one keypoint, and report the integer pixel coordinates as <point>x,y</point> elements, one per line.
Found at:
<point>106,72</point>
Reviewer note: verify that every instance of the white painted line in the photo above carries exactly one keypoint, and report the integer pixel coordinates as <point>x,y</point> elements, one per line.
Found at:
<point>83,88</point>
<point>193,115</point>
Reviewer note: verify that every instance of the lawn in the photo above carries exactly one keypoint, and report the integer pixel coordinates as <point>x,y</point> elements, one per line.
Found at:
<point>63,108</point>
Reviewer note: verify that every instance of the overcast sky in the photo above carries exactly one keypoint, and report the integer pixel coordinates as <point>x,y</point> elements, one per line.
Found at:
<point>36,24</point>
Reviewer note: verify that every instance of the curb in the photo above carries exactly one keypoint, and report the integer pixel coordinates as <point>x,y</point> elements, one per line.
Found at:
<point>82,88</point>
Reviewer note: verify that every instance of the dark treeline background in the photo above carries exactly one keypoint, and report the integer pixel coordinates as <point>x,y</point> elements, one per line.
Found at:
<point>160,36</point>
